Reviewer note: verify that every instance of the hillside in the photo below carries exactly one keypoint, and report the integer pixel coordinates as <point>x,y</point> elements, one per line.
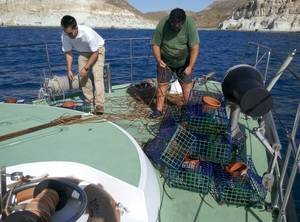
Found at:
<point>266,15</point>
<point>211,17</point>
<point>217,12</point>
<point>95,13</point>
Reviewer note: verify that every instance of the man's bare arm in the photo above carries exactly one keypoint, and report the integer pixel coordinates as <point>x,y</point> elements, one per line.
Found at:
<point>194,55</point>
<point>69,60</point>
<point>193,58</point>
<point>157,55</point>
<point>84,71</point>
<point>91,60</point>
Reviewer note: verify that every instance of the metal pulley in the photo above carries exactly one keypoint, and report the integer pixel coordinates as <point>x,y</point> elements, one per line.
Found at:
<point>243,85</point>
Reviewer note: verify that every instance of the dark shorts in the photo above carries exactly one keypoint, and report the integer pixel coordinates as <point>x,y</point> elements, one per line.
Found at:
<point>164,75</point>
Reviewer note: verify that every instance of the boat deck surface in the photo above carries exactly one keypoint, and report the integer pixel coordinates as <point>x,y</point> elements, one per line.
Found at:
<point>96,144</point>
<point>77,143</point>
<point>181,205</point>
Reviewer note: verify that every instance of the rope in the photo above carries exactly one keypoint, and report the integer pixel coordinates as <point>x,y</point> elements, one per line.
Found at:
<point>58,121</point>
<point>44,204</point>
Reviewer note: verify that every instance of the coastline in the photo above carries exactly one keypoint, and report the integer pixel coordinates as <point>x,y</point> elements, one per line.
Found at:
<point>150,28</point>
<point>94,27</point>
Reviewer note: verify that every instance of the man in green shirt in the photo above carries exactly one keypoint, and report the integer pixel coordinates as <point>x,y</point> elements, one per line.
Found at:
<point>175,45</point>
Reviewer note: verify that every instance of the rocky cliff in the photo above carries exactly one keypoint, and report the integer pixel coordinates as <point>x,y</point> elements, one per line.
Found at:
<point>268,15</point>
<point>217,12</point>
<point>95,13</point>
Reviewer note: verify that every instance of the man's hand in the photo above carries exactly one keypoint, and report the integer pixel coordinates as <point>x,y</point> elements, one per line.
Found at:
<point>70,75</point>
<point>188,70</point>
<point>83,72</point>
<point>162,64</point>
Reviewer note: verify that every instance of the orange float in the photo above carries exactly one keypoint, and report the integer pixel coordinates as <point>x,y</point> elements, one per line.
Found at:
<point>211,102</point>
<point>10,100</point>
<point>69,104</point>
<point>237,169</point>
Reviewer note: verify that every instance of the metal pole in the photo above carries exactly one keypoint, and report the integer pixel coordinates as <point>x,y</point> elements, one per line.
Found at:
<point>288,153</point>
<point>281,70</point>
<point>108,74</point>
<point>263,140</point>
<point>131,55</point>
<point>48,59</point>
<point>267,66</point>
<point>2,186</point>
<point>234,119</point>
<point>292,144</point>
<point>270,130</point>
<point>289,186</point>
<point>257,54</point>
<point>261,58</point>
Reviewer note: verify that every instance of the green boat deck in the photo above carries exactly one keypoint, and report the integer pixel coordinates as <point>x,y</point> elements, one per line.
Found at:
<point>74,143</point>
<point>177,205</point>
<point>181,205</point>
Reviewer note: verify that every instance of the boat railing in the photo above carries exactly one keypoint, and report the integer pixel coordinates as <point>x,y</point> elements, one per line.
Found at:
<point>46,59</point>
<point>283,196</point>
<point>276,178</point>
<point>262,53</point>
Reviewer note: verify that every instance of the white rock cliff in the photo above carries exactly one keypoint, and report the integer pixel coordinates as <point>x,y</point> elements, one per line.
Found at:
<point>266,15</point>
<point>95,13</point>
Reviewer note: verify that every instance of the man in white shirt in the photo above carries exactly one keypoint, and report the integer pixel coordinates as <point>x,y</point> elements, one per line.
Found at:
<point>91,50</point>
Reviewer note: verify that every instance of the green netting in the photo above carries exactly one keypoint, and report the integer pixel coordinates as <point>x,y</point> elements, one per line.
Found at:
<point>212,148</point>
<point>207,125</point>
<point>196,180</point>
<point>243,191</point>
<point>239,149</point>
<point>218,148</point>
<point>178,113</point>
<point>177,148</point>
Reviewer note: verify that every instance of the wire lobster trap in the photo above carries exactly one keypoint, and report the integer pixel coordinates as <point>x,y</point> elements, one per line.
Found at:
<point>178,147</point>
<point>246,190</point>
<point>165,132</point>
<point>220,149</point>
<point>198,179</point>
<point>211,128</point>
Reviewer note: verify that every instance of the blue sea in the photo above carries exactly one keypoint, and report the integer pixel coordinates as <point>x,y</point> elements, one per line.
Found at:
<point>29,54</point>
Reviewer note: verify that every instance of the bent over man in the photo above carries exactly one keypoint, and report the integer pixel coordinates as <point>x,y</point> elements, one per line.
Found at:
<point>91,50</point>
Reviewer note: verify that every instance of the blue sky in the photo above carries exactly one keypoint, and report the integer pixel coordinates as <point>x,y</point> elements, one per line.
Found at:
<point>166,5</point>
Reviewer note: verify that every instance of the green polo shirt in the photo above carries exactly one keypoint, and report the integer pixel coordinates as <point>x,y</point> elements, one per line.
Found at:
<point>175,46</point>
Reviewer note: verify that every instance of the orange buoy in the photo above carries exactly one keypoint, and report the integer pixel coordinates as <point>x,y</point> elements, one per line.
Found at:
<point>69,104</point>
<point>237,169</point>
<point>211,102</point>
<point>10,100</point>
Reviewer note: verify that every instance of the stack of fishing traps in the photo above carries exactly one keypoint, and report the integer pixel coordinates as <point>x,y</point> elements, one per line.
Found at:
<point>194,145</point>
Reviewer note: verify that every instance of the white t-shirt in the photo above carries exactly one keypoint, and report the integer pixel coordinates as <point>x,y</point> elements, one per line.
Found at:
<point>87,40</point>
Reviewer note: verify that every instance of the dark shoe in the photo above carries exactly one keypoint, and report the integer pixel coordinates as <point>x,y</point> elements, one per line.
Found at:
<point>155,114</point>
<point>99,110</point>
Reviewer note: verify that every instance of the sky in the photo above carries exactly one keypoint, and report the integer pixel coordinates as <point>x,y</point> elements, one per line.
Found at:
<point>167,5</point>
